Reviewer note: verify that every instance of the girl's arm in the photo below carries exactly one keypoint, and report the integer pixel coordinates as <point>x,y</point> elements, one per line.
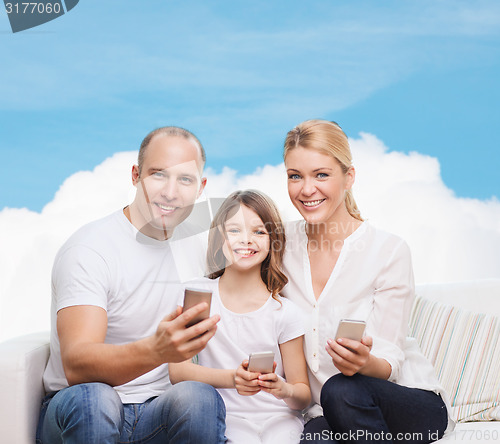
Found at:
<point>245,382</point>
<point>295,390</point>
<point>187,371</point>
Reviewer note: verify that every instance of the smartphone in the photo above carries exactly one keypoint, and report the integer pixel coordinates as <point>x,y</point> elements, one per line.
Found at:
<point>192,297</point>
<point>261,362</point>
<point>350,329</point>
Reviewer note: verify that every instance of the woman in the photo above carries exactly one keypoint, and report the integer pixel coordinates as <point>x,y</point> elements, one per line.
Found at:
<point>380,388</point>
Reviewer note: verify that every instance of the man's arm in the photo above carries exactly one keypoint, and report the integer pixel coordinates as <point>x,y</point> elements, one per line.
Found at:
<point>86,358</point>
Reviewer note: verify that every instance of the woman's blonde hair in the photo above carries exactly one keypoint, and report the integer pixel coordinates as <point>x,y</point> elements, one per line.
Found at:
<point>328,138</point>
<point>270,270</point>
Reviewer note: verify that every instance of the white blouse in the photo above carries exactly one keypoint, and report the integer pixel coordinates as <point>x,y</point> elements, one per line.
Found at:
<point>372,281</point>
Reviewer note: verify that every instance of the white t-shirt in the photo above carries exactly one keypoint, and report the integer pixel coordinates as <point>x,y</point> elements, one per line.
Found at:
<point>372,281</point>
<point>110,264</point>
<point>238,335</point>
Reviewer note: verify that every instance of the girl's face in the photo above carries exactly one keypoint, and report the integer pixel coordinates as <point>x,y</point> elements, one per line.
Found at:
<point>317,184</point>
<point>247,244</point>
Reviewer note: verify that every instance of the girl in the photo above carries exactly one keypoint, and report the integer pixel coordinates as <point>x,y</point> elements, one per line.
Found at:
<point>380,388</point>
<point>246,246</point>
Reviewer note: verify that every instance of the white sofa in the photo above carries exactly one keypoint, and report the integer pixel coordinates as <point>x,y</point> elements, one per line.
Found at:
<point>22,360</point>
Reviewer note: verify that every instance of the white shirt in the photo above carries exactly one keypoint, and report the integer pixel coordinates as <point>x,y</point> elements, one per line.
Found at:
<point>238,335</point>
<point>110,264</point>
<point>371,281</point>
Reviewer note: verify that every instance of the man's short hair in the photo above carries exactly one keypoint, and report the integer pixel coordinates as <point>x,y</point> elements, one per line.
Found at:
<point>169,131</point>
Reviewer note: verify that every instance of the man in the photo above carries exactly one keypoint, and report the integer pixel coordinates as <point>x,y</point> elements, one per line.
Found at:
<point>113,282</point>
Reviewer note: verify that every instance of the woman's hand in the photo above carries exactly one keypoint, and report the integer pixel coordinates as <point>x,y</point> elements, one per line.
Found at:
<point>245,382</point>
<point>349,356</point>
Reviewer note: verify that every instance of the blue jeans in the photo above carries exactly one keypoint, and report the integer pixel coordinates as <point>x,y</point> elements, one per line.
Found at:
<point>362,409</point>
<point>188,412</point>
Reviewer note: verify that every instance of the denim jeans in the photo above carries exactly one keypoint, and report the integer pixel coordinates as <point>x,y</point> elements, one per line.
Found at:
<point>188,412</point>
<point>363,409</point>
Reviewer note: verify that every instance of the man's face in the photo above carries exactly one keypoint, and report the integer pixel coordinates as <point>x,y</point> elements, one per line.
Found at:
<point>168,185</point>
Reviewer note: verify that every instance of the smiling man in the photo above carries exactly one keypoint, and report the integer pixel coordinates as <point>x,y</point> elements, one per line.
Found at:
<point>115,325</point>
<point>168,180</point>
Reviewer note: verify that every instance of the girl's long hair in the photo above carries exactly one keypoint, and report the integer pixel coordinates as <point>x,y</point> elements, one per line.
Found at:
<point>270,269</point>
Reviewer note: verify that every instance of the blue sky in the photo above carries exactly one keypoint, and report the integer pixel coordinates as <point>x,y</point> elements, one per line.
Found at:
<point>421,75</point>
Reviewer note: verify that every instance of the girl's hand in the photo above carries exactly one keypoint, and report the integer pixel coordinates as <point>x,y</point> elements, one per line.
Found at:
<point>271,383</point>
<point>245,382</point>
<point>350,357</point>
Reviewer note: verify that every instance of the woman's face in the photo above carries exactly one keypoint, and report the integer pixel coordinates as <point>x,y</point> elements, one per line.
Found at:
<point>247,244</point>
<point>317,185</point>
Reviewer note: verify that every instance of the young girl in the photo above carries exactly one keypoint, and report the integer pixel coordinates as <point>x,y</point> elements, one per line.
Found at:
<point>246,246</point>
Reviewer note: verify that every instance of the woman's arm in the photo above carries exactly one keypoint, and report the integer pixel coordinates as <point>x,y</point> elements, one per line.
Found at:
<point>388,323</point>
<point>392,304</point>
<point>187,371</point>
<point>295,390</point>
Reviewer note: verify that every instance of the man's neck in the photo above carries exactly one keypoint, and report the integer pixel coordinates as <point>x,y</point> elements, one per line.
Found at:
<point>146,228</point>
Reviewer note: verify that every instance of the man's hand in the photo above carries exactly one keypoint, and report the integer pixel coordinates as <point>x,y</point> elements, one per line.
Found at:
<point>173,342</point>
<point>87,358</point>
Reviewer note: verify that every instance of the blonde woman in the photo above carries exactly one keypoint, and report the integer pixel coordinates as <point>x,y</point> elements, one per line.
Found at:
<point>339,266</point>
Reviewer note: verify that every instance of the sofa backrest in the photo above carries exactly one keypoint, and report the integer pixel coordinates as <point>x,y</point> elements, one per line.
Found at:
<point>480,296</point>
<point>458,329</point>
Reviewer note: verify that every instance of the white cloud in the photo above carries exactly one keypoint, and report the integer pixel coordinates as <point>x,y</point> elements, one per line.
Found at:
<point>30,240</point>
<point>451,239</point>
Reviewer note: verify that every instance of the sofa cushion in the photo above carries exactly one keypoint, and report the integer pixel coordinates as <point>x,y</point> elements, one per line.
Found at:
<point>464,348</point>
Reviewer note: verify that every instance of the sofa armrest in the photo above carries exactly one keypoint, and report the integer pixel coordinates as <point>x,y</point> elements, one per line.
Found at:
<point>22,363</point>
